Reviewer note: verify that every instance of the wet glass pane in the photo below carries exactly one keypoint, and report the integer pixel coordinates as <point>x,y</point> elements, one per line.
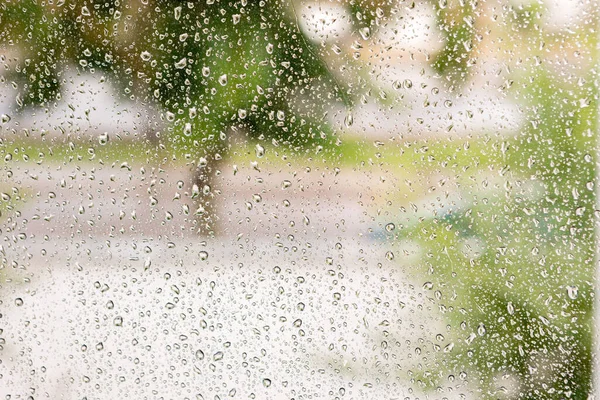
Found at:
<point>263,199</point>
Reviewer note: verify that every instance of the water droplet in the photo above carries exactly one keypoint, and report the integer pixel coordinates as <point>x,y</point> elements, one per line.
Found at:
<point>481,329</point>
<point>510,308</point>
<point>223,80</point>
<point>365,33</point>
<point>203,255</point>
<point>389,255</point>
<point>181,64</point>
<point>103,138</point>
<point>187,129</point>
<point>218,356</point>
<point>146,56</point>
<point>199,355</point>
<point>195,191</point>
<point>260,151</point>
<point>266,382</point>
<point>118,321</point>
<point>19,301</point>
<point>572,292</point>
<point>349,120</point>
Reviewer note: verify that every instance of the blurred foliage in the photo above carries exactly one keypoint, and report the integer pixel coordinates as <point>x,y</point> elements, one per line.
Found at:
<point>235,64</point>
<point>511,263</point>
<point>457,22</point>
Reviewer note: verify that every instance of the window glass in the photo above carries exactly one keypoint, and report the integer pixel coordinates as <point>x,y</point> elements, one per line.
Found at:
<point>263,199</point>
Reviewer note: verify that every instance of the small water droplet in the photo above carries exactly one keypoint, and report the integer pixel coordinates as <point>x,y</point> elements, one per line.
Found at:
<point>349,120</point>
<point>146,56</point>
<point>510,308</point>
<point>181,64</point>
<point>260,151</point>
<point>103,138</point>
<point>365,33</point>
<point>187,129</point>
<point>481,330</point>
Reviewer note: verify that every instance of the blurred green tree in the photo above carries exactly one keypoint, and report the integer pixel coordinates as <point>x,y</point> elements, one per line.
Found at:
<point>210,67</point>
